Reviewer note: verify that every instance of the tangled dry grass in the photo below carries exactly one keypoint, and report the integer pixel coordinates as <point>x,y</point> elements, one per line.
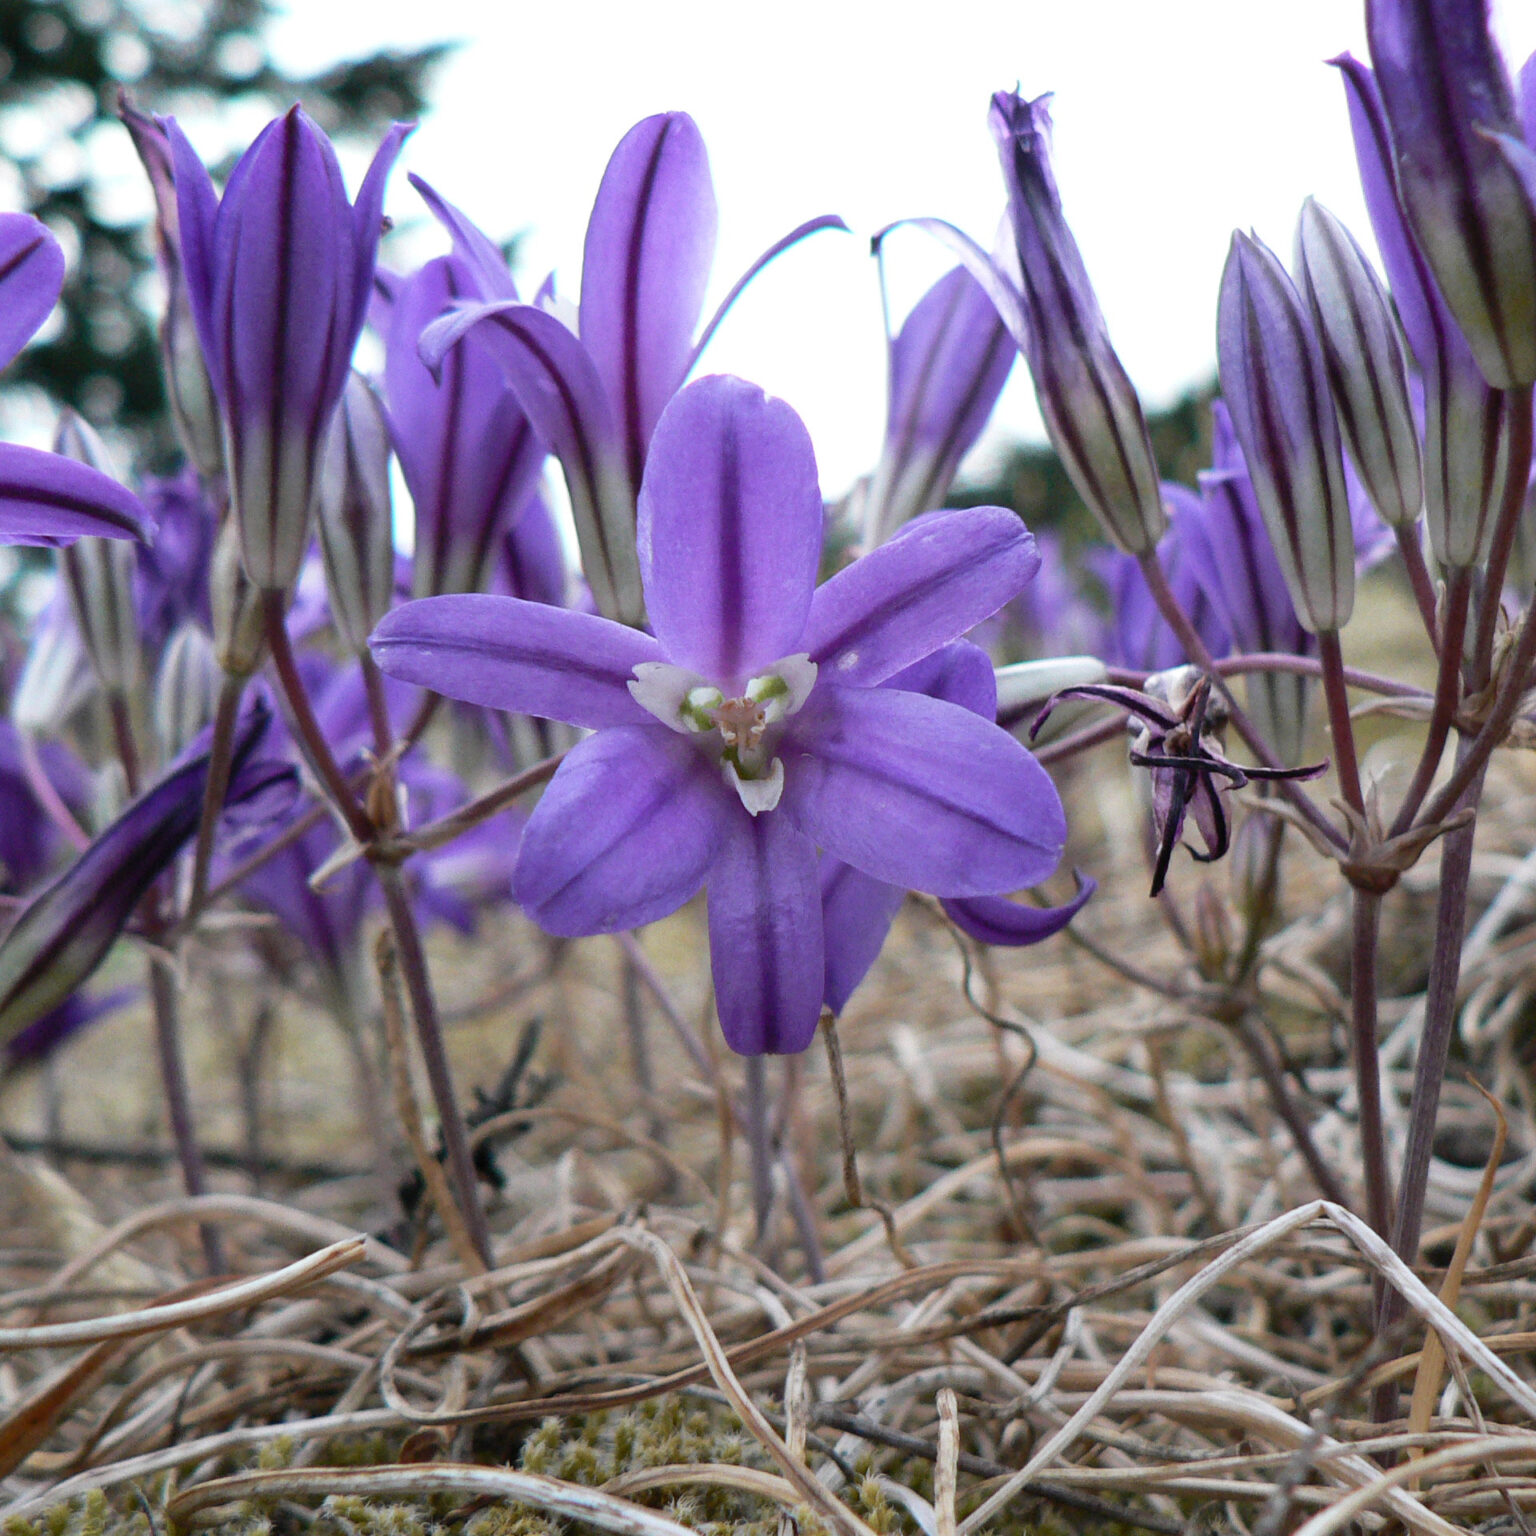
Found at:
<point>1056,1263</point>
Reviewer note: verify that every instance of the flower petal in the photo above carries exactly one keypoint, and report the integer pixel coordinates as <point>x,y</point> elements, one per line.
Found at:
<point>941,576</point>
<point>960,673</point>
<point>468,452</point>
<point>556,384</point>
<point>31,275</point>
<point>996,920</point>
<point>644,267</point>
<point>471,245</point>
<point>947,367</point>
<point>625,833</point>
<point>765,936</point>
<point>510,654</point>
<point>920,793</point>
<point>730,529</point>
<point>48,499</point>
<point>857,911</point>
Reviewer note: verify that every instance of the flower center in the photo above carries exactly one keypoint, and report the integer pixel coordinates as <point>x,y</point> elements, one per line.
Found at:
<point>738,730</point>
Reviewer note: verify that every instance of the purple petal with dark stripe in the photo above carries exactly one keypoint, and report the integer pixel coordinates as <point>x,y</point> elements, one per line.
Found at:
<point>857,912</point>
<point>644,268</point>
<point>942,575</point>
<point>197,208</point>
<point>765,936</point>
<point>559,389</point>
<point>1011,924</point>
<point>48,499</point>
<point>730,529</point>
<point>468,452</point>
<point>526,657</point>
<point>367,226</point>
<point>1447,95</point>
<point>948,365</point>
<point>920,793</point>
<point>480,254</point>
<point>625,833</point>
<point>1090,406</point>
<point>777,249</point>
<point>31,275</point>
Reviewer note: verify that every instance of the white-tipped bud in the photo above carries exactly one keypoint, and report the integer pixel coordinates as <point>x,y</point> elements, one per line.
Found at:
<point>98,575</point>
<point>356,521</point>
<point>186,688</point>
<point>1367,370</point>
<point>239,634</point>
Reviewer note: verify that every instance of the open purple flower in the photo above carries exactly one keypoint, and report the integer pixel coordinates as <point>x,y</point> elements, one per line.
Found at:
<point>752,727</point>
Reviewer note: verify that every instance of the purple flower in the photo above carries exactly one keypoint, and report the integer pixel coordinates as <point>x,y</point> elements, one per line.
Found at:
<point>948,365</point>
<point>278,275</point>
<point>469,455</point>
<point>752,729</point>
<point>45,498</point>
<point>1464,418</point>
<point>857,910</point>
<point>1448,103</point>
<point>1089,404</point>
<point>596,400</point>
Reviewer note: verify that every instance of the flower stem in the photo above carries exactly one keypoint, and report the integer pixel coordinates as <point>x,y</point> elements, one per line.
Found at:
<point>1439,1021</point>
<point>429,1036</point>
<point>759,1142</point>
<point>1412,551</point>
<point>221,756</point>
<point>1366,1053</point>
<point>1458,594</point>
<point>1340,727</point>
<point>307,732</point>
<point>178,1103</point>
<point>1517,471</point>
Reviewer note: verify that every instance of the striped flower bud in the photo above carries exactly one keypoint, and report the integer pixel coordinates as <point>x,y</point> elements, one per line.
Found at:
<point>1090,407</point>
<point>1275,383</point>
<point>356,520</point>
<point>186,688</point>
<point>1367,371</point>
<point>98,575</point>
<point>1448,102</point>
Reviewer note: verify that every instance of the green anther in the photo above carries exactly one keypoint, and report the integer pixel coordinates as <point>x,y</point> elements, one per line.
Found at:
<point>698,708</point>
<point>769,686</point>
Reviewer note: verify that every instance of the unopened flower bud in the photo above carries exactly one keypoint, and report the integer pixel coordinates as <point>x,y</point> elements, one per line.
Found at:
<point>1275,384</point>
<point>239,626</point>
<point>98,575</point>
<point>1091,409</point>
<point>1449,103</point>
<point>186,688</point>
<point>1363,348</point>
<point>356,522</point>
<point>1255,869</point>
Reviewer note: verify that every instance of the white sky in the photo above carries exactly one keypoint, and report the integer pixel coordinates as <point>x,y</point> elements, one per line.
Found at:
<point>1176,120</point>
